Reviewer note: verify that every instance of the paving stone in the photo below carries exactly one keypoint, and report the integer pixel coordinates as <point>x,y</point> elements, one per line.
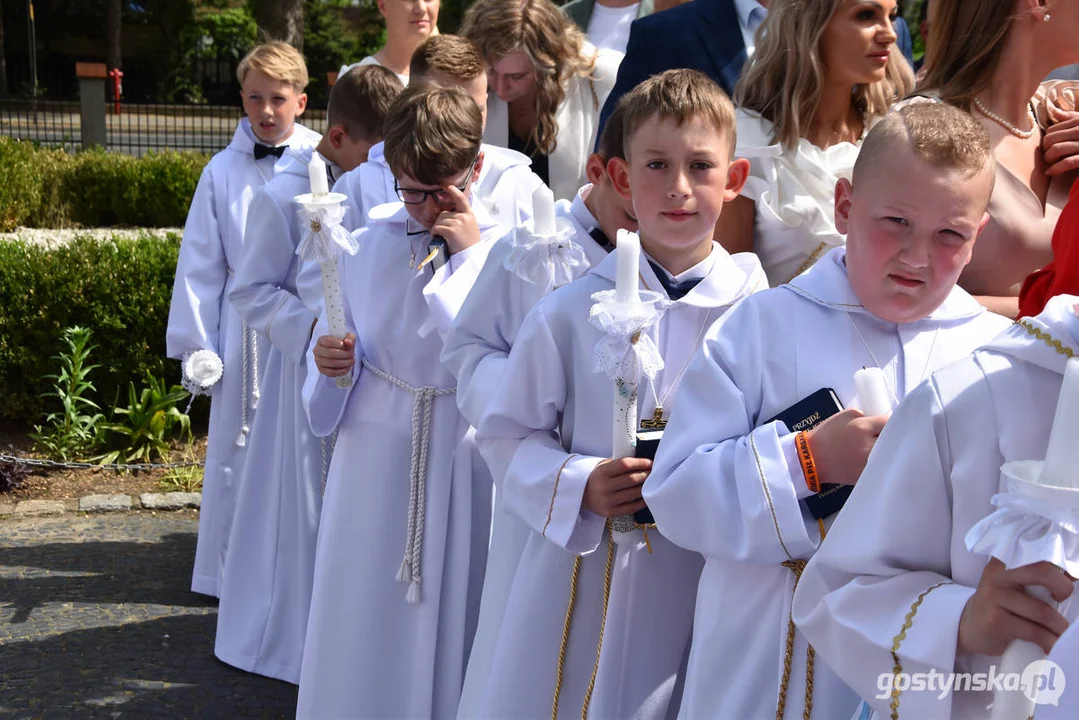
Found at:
<point>7,509</point>
<point>170,501</point>
<point>104,503</point>
<point>39,507</point>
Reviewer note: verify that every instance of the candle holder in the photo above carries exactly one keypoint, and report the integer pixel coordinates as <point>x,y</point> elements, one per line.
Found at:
<point>545,253</point>
<point>321,214</point>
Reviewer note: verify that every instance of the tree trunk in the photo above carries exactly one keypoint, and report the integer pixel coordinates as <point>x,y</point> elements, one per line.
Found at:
<point>3,59</point>
<point>113,55</point>
<point>280,20</point>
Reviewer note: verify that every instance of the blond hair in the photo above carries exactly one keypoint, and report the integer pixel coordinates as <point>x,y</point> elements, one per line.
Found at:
<point>784,80</point>
<point>432,133</point>
<point>360,100</point>
<point>450,55</point>
<point>679,95</point>
<point>277,61</point>
<point>552,42</point>
<point>965,48</point>
<point>942,135</point>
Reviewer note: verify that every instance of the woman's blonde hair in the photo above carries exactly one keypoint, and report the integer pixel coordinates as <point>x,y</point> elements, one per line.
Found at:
<point>784,80</point>
<point>966,45</point>
<point>552,42</point>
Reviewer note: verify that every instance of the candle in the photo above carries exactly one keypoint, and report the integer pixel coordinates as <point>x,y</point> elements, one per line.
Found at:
<point>316,171</point>
<point>873,393</point>
<point>1061,467</point>
<point>333,300</point>
<point>543,211</point>
<point>629,259</point>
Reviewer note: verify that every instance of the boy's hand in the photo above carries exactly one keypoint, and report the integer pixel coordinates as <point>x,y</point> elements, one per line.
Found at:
<point>614,487</point>
<point>335,357</point>
<point>1000,610</point>
<point>841,445</point>
<point>457,227</point>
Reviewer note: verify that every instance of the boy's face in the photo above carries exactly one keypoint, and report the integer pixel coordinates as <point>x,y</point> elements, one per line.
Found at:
<point>678,177</point>
<point>271,105</point>
<point>476,88</point>
<point>426,212</point>
<point>910,231</point>
<point>349,152</point>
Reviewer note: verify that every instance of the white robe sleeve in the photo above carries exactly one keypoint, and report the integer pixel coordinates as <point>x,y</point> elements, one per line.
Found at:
<point>198,293</point>
<point>486,326</point>
<point>260,295</point>
<point>720,486</point>
<point>451,284</point>
<point>542,482</point>
<point>351,186</point>
<point>323,401</point>
<point>878,596</point>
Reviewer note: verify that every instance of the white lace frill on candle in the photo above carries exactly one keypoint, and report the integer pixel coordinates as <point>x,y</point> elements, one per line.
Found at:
<point>325,238</point>
<point>202,369</point>
<point>626,345</point>
<point>1032,522</point>
<point>550,261</point>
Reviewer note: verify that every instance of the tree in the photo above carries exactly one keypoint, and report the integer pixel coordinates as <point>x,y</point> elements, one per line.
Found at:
<point>281,20</point>
<point>3,60</point>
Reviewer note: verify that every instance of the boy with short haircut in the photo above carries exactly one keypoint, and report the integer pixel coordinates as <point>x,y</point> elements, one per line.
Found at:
<point>744,476</point>
<point>272,77</point>
<point>362,107</point>
<point>507,183</point>
<point>521,269</point>
<point>587,632</point>
<point>267,587</point>
<point>402,497</point>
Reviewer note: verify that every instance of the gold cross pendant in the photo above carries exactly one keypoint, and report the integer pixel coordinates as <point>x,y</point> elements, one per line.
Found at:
<point>657,422</point>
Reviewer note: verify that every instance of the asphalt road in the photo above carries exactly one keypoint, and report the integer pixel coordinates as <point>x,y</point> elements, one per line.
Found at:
<point>96,621</point>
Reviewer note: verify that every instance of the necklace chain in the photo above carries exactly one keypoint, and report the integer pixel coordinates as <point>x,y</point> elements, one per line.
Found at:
<point>1013,129</point>
<point>658,412</point>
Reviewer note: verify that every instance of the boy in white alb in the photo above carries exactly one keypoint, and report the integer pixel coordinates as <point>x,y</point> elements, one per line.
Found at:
<point>267,584</point>
<point>745,489</point>
<point>403,539</point>
<point>201,318</point>
<point>521,269</point>
<point>567,647</point>
<point>507,182</point>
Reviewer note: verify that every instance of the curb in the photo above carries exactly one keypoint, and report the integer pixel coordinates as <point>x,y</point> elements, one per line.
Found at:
<point>101,504</point>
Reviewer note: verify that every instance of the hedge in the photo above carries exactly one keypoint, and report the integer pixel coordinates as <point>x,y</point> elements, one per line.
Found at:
<point>118,288</point>
<point>45,187</point>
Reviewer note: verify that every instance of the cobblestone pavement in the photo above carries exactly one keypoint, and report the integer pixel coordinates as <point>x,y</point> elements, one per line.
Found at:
<point>96,621</point>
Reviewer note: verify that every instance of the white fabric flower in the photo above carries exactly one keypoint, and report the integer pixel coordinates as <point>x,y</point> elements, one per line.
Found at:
<point>626,347</point>
<point>202,370</point>
<point>547,260</point>
<point>325,238</point>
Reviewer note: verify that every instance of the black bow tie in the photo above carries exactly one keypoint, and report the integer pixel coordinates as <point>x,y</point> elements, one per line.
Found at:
<point>601,238</point>
<point>676,289</point>
<point>262,151</point>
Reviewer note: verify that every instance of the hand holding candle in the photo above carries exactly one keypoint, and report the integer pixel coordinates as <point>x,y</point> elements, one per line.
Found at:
<point>872,390</point>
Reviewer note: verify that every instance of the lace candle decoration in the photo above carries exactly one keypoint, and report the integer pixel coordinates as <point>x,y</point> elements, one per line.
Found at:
<point>873,391</point>
<point>1037,519</point>
<point>322,212</point>
<point>626,298</point>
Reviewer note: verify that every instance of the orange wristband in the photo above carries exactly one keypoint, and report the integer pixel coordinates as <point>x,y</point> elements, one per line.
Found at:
<point>805,457</point>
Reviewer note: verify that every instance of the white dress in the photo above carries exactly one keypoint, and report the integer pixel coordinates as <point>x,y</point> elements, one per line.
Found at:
<point>728,484</point>
<point>202,318</point>
<point>577,119</point>
<point>545,432</point>
<point>476,349</point>
<point>888,587</point>
<point>381,644</point>
<point>795,195</point>
<point>269,565</point>
<point>504,188</point>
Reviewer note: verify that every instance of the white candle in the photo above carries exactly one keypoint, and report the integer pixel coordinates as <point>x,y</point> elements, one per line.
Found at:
<point>333,299</point>
<point>543,211</point>
<point>1061,467</point>
<point>629,259</point>
<point>316,171</point>
<point>873,391</point>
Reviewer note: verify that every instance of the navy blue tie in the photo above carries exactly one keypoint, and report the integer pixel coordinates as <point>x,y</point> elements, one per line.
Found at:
<point>676,289</point>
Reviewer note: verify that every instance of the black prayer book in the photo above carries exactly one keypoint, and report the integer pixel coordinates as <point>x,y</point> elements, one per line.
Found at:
<point>807,414</point>
<point>647,442</point>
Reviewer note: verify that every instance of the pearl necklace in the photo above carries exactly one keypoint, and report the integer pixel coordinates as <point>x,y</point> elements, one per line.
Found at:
<point>1021,134</point>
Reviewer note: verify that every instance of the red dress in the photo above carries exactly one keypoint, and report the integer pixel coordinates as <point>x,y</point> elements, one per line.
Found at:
<point>1062,275</point>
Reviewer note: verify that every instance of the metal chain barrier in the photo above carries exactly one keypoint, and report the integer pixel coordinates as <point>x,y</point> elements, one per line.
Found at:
<point>54,464</point>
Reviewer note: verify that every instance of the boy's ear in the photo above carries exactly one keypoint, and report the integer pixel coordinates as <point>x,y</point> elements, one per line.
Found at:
<point>618,170</point>
<point>737,174</point>
<point>843,201</point>
<point>595,168</point>
<point>336,134</point>
<point>476,171</point>
<point>301,104</point>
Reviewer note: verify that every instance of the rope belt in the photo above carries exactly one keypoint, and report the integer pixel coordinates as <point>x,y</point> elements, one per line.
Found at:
<point>417,499</point>
<point>796,567</point>
<point>249,391</point>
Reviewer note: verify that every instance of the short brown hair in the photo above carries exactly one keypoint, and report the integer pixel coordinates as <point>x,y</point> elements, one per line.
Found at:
<point>360,100</point>
<point>942,135</point>
<point>610,143</point>
<point>450,55</point>
<point>276,60</point>
<point>679,95</point>
<point>432,133</point>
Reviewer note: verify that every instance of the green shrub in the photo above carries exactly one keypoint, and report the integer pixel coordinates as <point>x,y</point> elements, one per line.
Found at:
<point>94,188</point>
<point>120,289</point>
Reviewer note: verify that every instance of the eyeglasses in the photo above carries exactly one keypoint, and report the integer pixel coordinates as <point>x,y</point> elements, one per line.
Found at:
<point>410,196</point>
